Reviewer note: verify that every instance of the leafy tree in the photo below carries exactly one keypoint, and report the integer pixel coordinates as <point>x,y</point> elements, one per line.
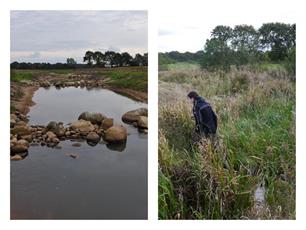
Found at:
<point>140,60</point>
<point>245,38</point>
<point>118,59</point>
<point>89,57</point>
<point>98,57</point>
<point>145,59</point>
<point>278,39</point>
<point>222,33</point>
<point>110,57</point>
<point>217,54</point>
<point>290,61</point>
<point>71,61</point>
<point>126,59</point>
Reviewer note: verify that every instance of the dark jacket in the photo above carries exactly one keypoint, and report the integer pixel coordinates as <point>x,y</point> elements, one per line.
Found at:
<point>206,119</point>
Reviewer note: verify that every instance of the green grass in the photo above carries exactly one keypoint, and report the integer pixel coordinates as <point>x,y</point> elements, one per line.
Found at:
<point>21,76</point>
<point>135,78</point>
<point>183,66</point>
<point>255,144</point>
<point>131,80</point>
<point>271,66</point>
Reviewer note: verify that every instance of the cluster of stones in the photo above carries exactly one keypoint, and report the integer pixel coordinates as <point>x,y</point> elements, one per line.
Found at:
<point>89,126</point>
<point>75,81</point>
<point>138,118</point>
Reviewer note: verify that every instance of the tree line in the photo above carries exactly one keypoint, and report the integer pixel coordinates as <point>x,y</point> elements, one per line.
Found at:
<point>92,59</point>
<point>242,45</point>
<point>111,58</point>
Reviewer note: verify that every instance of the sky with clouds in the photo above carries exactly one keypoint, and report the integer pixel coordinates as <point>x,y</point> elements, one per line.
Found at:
<point>187,26</point>
<point>52,36</point>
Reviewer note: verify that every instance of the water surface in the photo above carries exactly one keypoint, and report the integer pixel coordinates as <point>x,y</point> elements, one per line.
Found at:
<point>103,183</point>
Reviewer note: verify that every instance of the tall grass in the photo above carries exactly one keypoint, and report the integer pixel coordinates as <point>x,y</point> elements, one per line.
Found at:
<point>255,144</point>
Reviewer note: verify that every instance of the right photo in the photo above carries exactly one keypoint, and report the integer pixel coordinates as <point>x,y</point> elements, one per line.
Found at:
<point>227,119</point>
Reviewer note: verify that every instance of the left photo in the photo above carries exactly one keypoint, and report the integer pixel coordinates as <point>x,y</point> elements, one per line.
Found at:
<point>78,114</point>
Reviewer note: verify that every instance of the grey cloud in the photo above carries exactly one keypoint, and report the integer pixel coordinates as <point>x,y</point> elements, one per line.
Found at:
<point>38,31</point>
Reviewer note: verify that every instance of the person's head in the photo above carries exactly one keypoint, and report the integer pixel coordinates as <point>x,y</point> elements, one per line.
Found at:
<point>192,95</point>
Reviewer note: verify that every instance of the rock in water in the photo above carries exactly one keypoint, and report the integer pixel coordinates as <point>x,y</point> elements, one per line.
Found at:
<point>142,122</point>
<point>76,144</point>
<point>56,128</point>
<point>16,158</point>
<point>107,123</point>
<point>50,135</point>
<point>93,137</point>
<point>82,126</point>
<point>55,140</point>
<point>28,138</point>
<point>116,133</point>
<point>45,84</point>
<point>19,146</point>
<point>72,155</point>
<point>94,118</point>
<point>21,130</point>
<point>52,126</point>
<point>133,116</point>
<point>60,130</point>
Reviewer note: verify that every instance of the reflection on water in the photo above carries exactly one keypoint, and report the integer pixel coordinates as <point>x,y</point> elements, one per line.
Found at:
<point>67,104</point>
<point>103,182</point>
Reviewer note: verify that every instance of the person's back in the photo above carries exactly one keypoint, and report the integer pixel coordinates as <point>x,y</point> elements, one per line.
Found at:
<point>205,117</point>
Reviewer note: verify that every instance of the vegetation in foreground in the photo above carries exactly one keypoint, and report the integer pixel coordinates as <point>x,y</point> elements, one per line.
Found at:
<point>255,145</point>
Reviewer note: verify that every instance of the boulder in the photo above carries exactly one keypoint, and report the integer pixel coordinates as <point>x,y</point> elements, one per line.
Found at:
<point>67,134</point>
<point>142,122</point>
<point>116,133</point>
<point>16,158</point>
<point>93,137</point>
<point>82,126</point>
<point>52,126</point>
<point>50,135</point>
<point>57,128</point>
<point>20,146</point>
<point>82,83</point>
<point>133,116</point>
<point>94,118</point>
<point>70,83</point>
<point>28,138</point>
<point>76,144</point>
<point>60,131</point>
<point>107,123</point>
<point>21,130</point>
<point>55,140</point>
<point>45,84</point>
<point>13,116</point>
<point>21,123</point>
<point>13,122</point>
<point>58,84</point>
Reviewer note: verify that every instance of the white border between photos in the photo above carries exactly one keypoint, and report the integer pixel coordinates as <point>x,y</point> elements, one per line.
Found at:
<point>153,9</point>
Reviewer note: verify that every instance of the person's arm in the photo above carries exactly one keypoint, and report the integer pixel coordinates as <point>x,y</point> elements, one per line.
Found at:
<point>196,117</point>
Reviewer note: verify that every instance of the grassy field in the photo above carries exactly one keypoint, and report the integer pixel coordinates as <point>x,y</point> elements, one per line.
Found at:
<point>254,149</point>
<point>135,78</point>
<point>21,76</point>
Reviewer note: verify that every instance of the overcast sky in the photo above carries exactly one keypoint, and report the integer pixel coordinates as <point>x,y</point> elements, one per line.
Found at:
<point>52,36</point>
<point>186,27</point>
